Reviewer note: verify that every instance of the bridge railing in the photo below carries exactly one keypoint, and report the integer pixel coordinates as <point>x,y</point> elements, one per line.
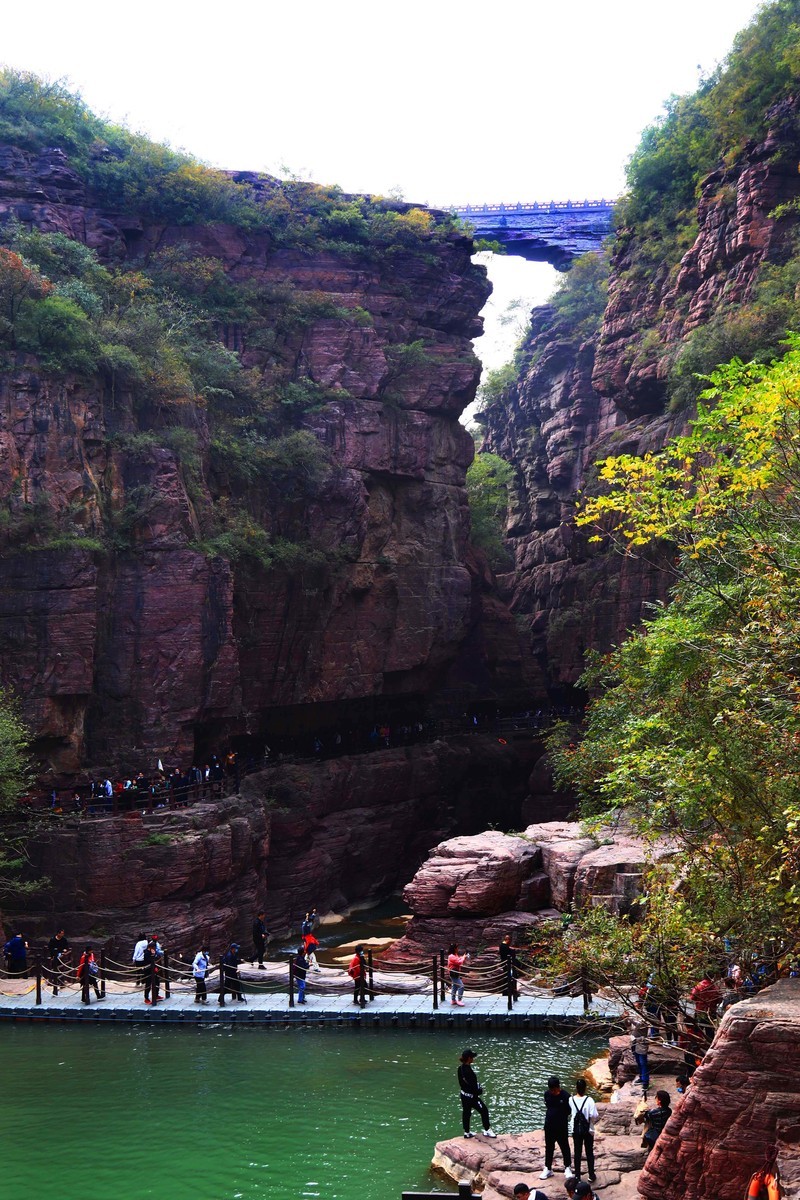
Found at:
<point>535,207</point>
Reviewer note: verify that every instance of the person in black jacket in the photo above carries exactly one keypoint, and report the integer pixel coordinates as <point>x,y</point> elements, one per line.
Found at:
<point>470,1091</point>
<point>150,972</point>
<point>556,1127</point>
<point>259,938</point>
<point>230,981</point>
<point>654,1119</point>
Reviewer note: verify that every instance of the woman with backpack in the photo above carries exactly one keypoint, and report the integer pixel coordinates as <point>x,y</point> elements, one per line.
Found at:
<point>88,973</point>
<point>585,1116</point>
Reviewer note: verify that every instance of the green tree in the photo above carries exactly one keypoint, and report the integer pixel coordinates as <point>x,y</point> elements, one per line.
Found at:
<point>694,732</point>
<point>487,488</point>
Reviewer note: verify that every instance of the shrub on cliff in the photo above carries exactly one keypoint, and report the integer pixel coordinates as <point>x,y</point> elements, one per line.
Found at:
<point>695,729</point>
<point>487,488</point>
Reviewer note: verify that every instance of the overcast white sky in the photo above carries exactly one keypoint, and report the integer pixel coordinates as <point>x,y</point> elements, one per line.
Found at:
<point>515,99</point>
<point>452,103</point>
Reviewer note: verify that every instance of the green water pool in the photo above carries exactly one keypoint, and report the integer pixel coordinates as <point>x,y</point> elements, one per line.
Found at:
<point>216,1114</point>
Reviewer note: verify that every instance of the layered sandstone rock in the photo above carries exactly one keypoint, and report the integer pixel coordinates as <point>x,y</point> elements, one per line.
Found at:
<point>150,647</point>
<point>743,1106</point>
<point>577,403</point>
<point>333,834</point>
<point>474,890</point>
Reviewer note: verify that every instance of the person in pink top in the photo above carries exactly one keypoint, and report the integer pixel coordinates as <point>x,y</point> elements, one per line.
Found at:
<point>455,964</point>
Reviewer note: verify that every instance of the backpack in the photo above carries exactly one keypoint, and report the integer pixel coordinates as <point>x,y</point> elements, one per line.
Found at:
<point>580,1122</point>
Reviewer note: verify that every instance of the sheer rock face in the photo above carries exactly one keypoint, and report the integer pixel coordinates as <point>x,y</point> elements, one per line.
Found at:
<point>743,1100</point>
<point>576,404</point>
<point>476,889</point>
<point>121,657</point>
<point>333,834</point>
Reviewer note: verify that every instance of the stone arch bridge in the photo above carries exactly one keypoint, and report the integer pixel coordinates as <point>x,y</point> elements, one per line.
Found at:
<point>555,232</point>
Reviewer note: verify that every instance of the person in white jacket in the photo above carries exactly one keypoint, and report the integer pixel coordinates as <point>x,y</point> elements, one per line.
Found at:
<point>200,970</point>
<point>585,1116</point>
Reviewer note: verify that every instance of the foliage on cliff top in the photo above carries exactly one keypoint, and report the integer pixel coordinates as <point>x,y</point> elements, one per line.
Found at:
<point>702,131</point>
<point>695,731</point>
<point>127,171</point>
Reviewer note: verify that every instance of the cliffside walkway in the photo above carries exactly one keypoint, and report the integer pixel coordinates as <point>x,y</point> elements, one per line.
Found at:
<point>387,1011</point>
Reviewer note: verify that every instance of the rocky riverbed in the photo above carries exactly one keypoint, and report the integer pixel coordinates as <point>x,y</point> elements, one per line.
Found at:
<point>742,1106</point>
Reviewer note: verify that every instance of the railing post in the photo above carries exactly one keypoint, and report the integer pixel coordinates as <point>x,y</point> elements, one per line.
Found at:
<point>103,971</point>
<point>371,980</point>
<point>362,985</point>
<point>221,982</point>
<point>435,982</point>
<point>510,983</point>
<point>291,981</point>
<point>586,989</point>
<point>465,1191</point>
<point>166,974</point>
<point>442,977</point>
<point>38,979</point>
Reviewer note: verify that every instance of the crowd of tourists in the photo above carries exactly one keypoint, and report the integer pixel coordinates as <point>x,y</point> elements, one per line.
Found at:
<point>219,775</point>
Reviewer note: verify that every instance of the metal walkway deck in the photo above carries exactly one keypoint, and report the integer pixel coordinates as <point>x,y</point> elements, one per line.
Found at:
<point>388,1011</point>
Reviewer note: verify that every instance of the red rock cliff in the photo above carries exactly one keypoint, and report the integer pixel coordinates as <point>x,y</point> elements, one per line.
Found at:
<point>575,404</point>
<point>154,648</point>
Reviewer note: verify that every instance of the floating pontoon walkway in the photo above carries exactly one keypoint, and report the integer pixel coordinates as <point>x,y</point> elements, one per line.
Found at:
<point>388,1011</point>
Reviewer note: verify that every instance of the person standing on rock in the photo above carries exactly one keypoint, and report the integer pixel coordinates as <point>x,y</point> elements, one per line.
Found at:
<point>455,965</point>
<point>556,1127</point>
<point>199,971</point>
<point>584,1118</point>
<point>640,1046</point>
<point>260,938</point>
<point>470,1091</point>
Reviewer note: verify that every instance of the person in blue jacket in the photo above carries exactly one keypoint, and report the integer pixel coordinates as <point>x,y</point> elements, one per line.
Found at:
<point>16,952</point>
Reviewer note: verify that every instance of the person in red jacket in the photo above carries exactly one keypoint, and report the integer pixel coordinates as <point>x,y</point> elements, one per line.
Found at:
<point>87,975</point>
<point>358,973</point>
<point>705,997</point>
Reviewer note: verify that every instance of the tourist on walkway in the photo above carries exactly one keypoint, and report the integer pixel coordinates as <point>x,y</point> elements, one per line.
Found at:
<point>59,950</point>
<point>300,972</point>
<point>260,938</point>
<point>16,952</point>
<point>654,1119</point>
<point>358,973</point>
<point>138,958</point>
<point>230,981</point>
<point>310,922</point>
<point>510,962</point>
<point>87,973</point>
<point>640,1046</point>
<point>584,1118</point>
<point>556,1127</point>
<point>455,965</point>
<point>470,1091</point>
<point>150,973</point>
<point>199,971</point>
<point>310,948</point>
